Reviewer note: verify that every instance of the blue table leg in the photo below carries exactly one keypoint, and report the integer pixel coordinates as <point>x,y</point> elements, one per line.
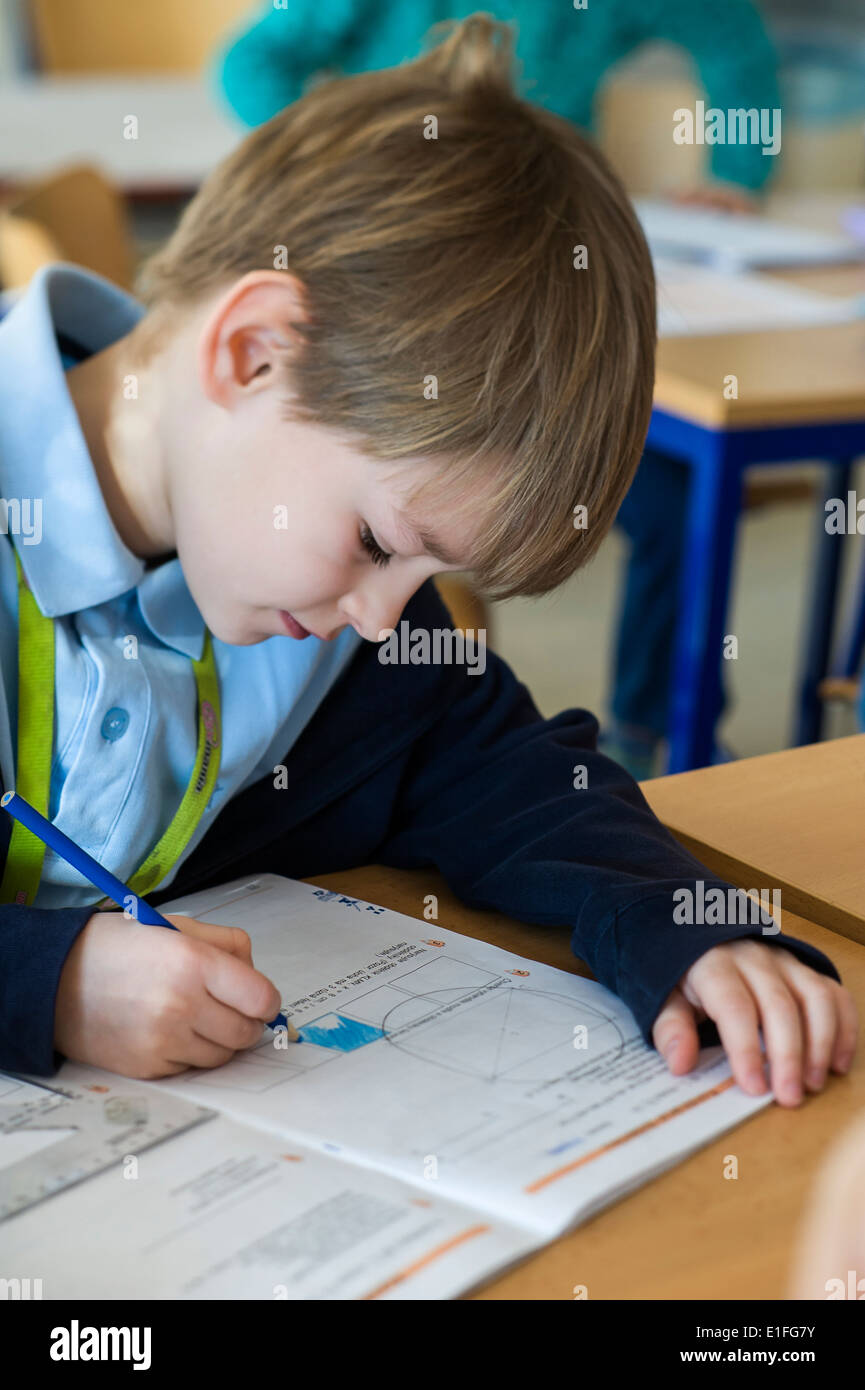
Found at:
<point>853,641</point>
<point>713,510</point>
<point>818,631</point>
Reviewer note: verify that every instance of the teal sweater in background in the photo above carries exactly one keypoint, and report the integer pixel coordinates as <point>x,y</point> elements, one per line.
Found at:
<point>565,54</point>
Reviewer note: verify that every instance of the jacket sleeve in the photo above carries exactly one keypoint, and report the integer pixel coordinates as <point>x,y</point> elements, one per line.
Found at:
<point>524,816</point>
<point>34,944</point>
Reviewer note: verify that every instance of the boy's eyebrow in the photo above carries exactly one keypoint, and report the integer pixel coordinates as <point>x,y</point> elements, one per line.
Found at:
<point>437,550</point>
<point>430,543</point>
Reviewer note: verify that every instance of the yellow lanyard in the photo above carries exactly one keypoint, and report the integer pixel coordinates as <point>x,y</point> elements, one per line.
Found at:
<point>24,861</point>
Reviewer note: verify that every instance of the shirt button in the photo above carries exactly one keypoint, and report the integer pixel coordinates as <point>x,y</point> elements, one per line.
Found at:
<point>115,723</point>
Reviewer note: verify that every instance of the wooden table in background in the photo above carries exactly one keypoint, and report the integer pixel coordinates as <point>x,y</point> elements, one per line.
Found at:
<point>793,820</point>
<point>50,121</point>
<point>800,394</point>
<point>787,376</point>
<point>689,1233</point>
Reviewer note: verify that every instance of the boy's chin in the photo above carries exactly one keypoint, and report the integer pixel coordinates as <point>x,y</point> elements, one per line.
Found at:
<point>245,638</point>
<point>235,632</point>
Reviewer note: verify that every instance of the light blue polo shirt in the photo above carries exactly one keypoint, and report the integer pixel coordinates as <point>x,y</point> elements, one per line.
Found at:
<point>126,729</point>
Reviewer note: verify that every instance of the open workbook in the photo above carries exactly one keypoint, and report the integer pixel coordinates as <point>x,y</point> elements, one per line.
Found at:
<point>450,1108</point>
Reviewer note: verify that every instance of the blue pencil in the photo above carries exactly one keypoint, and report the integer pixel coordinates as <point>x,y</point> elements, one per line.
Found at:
<point>91,869</point>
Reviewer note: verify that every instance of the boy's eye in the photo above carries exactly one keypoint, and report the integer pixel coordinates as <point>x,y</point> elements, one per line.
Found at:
<point>371,545</point>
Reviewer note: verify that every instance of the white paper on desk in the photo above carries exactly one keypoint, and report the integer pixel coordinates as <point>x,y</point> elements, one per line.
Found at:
<point>738,241</point>
<point>452,1064</point>
<point>440,1075</point>
<point>694,299</point>
<point>229,1212</point>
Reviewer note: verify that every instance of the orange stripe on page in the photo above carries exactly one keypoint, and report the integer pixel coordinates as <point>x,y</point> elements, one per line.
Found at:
<point>427,1259</point>
<point>632,1134</point>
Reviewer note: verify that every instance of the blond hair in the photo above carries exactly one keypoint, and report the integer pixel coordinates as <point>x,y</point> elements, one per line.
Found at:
<point>451,259</point>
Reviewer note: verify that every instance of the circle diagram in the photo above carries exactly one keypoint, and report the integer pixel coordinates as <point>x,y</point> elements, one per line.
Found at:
<point>508,1034</point>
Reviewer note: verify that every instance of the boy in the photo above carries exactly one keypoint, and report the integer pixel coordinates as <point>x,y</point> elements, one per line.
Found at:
<point>407,327</point>
<point>567,52</point>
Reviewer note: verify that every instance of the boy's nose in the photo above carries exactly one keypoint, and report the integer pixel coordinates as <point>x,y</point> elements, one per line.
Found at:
<point>375,611</point>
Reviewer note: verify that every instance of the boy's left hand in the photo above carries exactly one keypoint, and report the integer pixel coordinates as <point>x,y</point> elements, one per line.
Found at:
<point>716,197</point>
<point>808,1019</point>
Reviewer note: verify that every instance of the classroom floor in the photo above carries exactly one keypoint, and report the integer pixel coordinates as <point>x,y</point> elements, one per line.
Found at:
<point>559,645</point>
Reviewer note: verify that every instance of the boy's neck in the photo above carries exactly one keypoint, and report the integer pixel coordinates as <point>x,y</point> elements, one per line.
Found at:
<point>122,437</point>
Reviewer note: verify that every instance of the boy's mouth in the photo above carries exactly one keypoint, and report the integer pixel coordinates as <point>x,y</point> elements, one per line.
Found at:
<point>293,627</point>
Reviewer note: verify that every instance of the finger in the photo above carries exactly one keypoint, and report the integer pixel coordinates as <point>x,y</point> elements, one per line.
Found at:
<point>240,986</point>
<point>675,1034</point>
<point>817,998</point>
<point>201,1052</point>
<point>219,1024</point>
<point>698,197</point>
<point>848,1030</point>
<point>721,990</point>
<point>234,940</point>
<point>783,1028</point>
<point>155,1070</point>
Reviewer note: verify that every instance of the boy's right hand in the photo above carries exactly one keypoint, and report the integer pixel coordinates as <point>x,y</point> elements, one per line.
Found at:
<point>147,1002</point>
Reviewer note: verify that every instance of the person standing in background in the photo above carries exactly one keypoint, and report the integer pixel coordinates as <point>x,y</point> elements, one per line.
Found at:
<point>566,54</point>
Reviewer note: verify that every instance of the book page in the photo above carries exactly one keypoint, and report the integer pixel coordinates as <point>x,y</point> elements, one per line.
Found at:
<point>518,1090</point>
<point>223,1211</point>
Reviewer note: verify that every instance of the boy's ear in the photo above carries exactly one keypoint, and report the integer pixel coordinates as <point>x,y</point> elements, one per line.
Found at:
<point>248,336</point>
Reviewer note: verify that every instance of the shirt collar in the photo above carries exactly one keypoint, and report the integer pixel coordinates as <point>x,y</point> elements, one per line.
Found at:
<point>80,560</point>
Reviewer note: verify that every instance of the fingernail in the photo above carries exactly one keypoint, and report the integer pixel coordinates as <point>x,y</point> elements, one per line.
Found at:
<point>756,1082</point>
<point>844,1061</point>
<point>671,1049</point>
<point>816,1078</point>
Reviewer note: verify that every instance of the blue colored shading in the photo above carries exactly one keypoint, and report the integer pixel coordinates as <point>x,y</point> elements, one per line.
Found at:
<point>345,1034</point>
<point>568,1144</point>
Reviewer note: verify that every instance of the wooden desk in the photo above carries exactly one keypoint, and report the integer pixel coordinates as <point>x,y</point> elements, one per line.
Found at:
<point>793,820</point>
<point>689,1233</point>
<point>786,376</point>
<point>799,395</point>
